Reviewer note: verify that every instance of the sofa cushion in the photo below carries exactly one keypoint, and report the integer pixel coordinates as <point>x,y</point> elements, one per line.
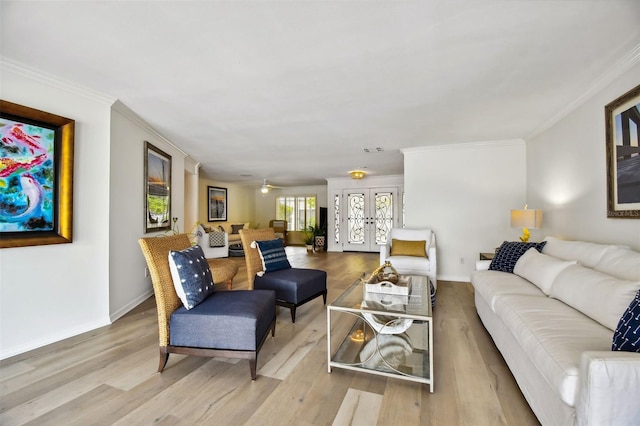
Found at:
<point>508,254</point>
<point>554,336</point>
<point>225,320</point>
<point>599,296</point>
<point>493,284</point>
<point>620,262</point>
<point>586,253</point>
<point>191,275</point>
<point>408,248</point>
<point>272,254</point>
<point>235,229</point>
<point>217,239</point>
<point>627,334</point>
<point>409,234</point>
<point>540,269</point>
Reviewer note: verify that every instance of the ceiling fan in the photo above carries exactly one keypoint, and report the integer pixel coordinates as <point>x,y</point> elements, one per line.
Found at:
<point>266,187</point>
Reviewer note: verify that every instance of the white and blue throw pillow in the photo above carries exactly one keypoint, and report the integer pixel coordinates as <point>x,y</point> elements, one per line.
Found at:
<point>191,275</point>
<point>272,254</point>
<point>627,335</point>
<point>508,254</point>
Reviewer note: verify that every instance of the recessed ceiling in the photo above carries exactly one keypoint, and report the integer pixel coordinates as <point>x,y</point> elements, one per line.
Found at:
<point>292,91</point>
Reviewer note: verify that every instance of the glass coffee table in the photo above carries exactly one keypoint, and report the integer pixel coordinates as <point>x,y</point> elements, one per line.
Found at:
<point>391,335</point>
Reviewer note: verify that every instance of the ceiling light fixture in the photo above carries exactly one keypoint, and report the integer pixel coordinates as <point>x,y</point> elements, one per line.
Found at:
<point>357,174</point>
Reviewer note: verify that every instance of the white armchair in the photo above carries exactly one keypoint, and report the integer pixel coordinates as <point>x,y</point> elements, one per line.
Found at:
<point>212,252</point>
<point>412,265</point>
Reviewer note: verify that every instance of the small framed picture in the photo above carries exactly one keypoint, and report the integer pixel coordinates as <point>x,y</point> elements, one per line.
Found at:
<point>217,202</point>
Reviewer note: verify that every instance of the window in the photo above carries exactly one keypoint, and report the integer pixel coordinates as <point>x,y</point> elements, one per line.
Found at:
<point>298,210</point>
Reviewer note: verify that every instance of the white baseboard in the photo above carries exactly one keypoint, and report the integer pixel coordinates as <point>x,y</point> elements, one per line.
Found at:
<point>129,306</point>
<point>52,338</point>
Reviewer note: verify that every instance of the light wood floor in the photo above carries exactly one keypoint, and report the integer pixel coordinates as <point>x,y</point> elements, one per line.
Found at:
<point>108,376</point>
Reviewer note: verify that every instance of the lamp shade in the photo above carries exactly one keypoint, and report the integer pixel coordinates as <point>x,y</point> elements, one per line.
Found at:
<point>526,219</point>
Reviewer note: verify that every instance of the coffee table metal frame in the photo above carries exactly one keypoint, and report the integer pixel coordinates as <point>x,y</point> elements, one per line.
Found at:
<point>418,365</point>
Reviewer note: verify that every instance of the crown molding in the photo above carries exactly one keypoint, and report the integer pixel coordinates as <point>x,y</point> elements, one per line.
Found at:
<point>15,67</point>
<point>465,145</point>
<point>131,115</point>
<point>615,71</point>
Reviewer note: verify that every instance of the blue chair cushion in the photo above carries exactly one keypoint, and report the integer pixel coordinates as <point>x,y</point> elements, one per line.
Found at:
<point>272,254</point>
<point>293,285</point>
<point>225,320</point>
<point>191,275</point>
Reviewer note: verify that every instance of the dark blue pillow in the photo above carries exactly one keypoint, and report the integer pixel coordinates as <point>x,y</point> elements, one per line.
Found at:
<point>508,254</point>
<point>272,254</point>
<point>627,335</point>
<point>191,275</point>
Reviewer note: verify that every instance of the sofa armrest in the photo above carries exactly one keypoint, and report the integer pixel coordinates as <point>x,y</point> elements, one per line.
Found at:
<point>609,391</point>
<point>482,265</point>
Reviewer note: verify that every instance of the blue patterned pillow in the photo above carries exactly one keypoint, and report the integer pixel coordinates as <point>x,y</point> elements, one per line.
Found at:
<point>191,275</point>
<point>627,334</point>
<point>508,254</point>
<point>272,254</point>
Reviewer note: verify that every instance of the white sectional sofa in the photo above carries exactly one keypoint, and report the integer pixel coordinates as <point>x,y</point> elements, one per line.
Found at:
<point>553,320</point>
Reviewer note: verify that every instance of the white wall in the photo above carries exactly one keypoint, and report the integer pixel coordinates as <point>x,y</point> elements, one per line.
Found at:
<point>51,292</point>
<point>566,172</point>
<point>465,193</point>
<point>128,284</point>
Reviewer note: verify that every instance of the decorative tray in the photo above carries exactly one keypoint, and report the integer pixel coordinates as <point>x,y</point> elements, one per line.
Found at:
<point>402,287</point>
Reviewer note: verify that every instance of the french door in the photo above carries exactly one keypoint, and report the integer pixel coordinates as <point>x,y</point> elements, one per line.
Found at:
<point>367,217</point>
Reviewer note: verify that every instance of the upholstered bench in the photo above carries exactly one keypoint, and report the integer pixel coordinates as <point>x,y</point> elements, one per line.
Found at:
<point>217,322</point>
<point>223,270</point>
<point>294,286</point>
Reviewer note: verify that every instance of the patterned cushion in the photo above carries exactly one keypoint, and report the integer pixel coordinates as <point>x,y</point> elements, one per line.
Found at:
<point>408,248</point>
<point>216,239</point>
<point>235,229</point>
<point>191,275</point>
<point>627,334</point>
<point>272,255</point>
<point>508,254</point>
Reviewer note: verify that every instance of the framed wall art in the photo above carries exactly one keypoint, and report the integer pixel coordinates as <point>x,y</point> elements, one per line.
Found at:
<point>36,177</point>
<point>622,119</point>
<point>217,202</point>
<point>157,189</point>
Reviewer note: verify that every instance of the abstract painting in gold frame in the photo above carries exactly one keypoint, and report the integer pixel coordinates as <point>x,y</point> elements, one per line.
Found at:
<point>36,177</point>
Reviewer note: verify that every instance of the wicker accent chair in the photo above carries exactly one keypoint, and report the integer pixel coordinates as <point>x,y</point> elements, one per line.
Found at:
<point>293,287</point>
<point>280,229</point>
<point>229,324</point>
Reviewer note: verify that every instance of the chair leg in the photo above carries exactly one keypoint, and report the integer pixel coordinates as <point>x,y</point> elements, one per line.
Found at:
<point>324,297</point>
<point>252,366</point>
<point>293,314</point>
<point>229,282</point>
<point>164,357</point>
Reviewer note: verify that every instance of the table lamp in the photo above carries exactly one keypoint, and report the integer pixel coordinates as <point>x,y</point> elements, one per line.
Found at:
<point>526,219</point>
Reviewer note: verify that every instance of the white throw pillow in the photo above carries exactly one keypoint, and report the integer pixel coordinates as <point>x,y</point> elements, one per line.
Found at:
<point>599,296</point>
<point>540,269</point>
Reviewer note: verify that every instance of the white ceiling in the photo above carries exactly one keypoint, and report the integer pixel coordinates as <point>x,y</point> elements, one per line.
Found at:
<point>291,91</point>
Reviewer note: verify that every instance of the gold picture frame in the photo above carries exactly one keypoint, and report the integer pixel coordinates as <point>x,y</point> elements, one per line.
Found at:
<point>157,189</point>
<point>622,119</point>
<point>36,195</point>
